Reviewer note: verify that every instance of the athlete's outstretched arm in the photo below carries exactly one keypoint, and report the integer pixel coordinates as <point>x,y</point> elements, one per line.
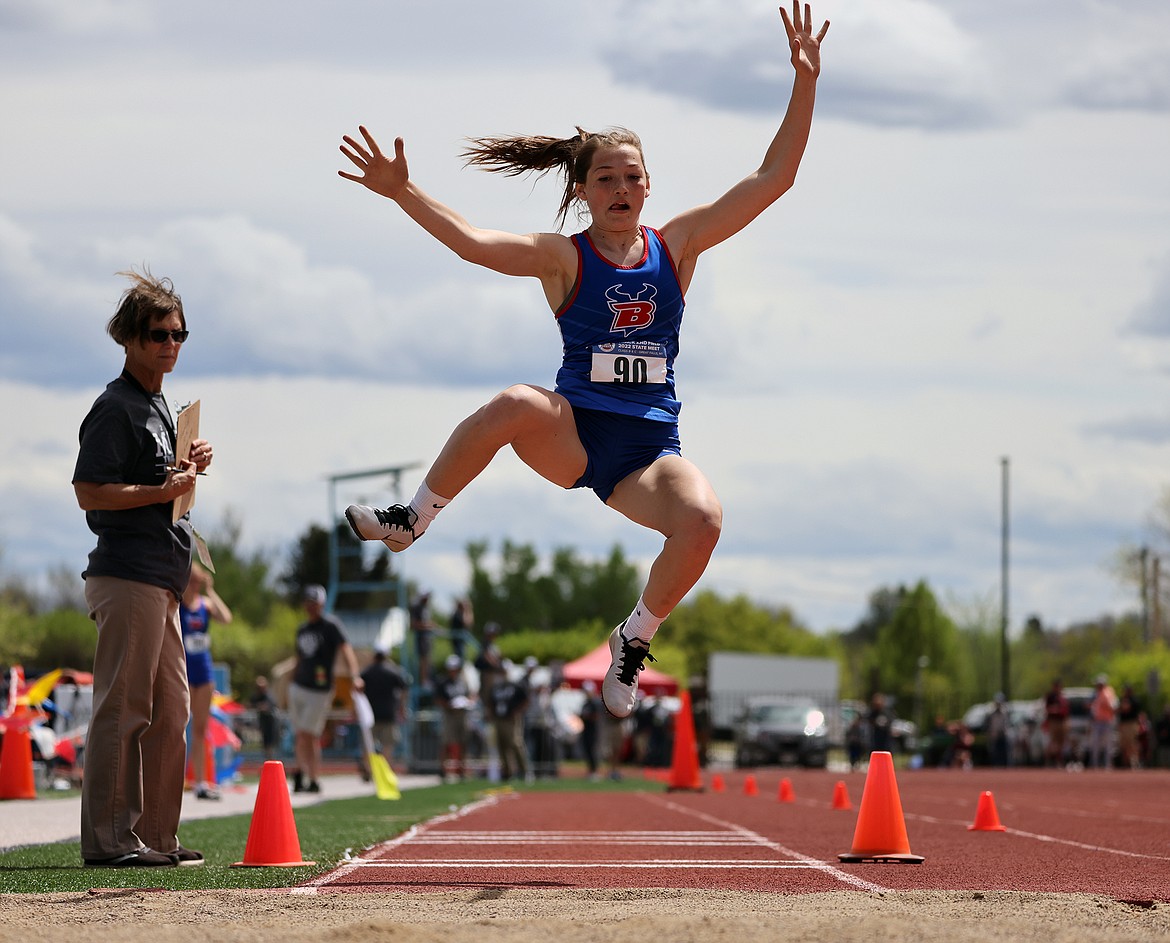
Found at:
<point>700,228</point>
<point>503,252</point>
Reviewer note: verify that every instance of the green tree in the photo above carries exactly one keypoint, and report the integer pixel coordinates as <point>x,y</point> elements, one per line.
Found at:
<point>917,630</point>
<point>309,563</point>
<point>521,594</point>
<point>242,580</point>
<point>709,623</point>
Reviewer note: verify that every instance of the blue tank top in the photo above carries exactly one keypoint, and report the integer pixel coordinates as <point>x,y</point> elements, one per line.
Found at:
<point>196,642</point>
<point>619,330</point>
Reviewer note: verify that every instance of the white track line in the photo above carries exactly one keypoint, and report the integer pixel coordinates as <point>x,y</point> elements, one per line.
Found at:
<point>724,834</point>
<point>1051,839</point>
<point>814,864</point>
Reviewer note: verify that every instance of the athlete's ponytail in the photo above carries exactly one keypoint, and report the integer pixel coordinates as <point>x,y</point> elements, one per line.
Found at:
<point>571,157</point>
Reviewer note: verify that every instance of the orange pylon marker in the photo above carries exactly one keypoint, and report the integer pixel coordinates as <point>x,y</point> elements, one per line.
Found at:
<point>749,786</point>
<point>880,834</point>
<point>785,793</point>
<point>272,836</point>
<point>841,796</point>
<point>684,758</point>
<point>986,818</point>
<point>16,769</point>
<point>717,783</point>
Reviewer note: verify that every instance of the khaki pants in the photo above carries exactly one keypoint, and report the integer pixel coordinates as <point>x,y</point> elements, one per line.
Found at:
<point>510,744</point>
<point>135,751</point>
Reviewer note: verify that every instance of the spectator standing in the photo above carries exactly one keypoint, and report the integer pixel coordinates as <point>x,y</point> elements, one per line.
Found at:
<point>880,722</point>
<point>1055,723</point>
<point>591,720</point>
<point>1129,711</point>
<point>508,703</point>
<point>462,619</point>
<point>1162,739</point>
<point>998,752</point>
<point>1102,720</point>
<point>855,741</point>
<point>320,639</point>
<point>199,607</point>
<point>453,696</point>
<point>422,628</point>
<point>490,660</point>
<point>264,704</point>
<point>126,479</point>
<point>386,685</point>
<point>701,718</point>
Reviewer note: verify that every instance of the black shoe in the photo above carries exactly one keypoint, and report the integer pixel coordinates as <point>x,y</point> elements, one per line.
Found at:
<point>142,858</point>
<point>314,786</point>
<point>298,785</point>
<point>187,857</point>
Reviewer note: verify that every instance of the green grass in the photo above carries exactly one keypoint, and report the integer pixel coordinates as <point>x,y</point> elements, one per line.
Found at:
<point>326,832</point>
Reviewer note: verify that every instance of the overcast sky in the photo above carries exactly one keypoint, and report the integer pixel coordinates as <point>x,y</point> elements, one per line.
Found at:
<point>974,264</point>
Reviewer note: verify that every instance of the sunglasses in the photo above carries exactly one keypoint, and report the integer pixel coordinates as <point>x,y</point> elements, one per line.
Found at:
<point>159,336</point>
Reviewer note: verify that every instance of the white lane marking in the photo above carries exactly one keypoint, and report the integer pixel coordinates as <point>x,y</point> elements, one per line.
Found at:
<point>1051,839</point>
<point>352,864</point>
<point>730,834</point>
<point>664,864</point>
<point>813,863</point>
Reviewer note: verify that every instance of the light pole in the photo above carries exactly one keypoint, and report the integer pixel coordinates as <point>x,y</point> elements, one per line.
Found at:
<point>1005,679</point>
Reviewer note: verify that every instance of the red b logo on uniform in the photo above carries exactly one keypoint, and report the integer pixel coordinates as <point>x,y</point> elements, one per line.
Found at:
<point>631,312</point>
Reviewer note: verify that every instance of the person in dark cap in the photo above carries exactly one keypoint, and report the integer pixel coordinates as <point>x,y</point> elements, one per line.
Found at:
<point>319,641</point>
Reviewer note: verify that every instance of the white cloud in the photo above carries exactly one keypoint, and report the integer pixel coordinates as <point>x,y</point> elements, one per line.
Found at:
<point>972,264</point>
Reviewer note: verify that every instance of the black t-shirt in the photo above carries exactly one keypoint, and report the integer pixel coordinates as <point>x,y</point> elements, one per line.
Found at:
<point>128,437</point>
<point>317,645</point>
<point>385,683</point>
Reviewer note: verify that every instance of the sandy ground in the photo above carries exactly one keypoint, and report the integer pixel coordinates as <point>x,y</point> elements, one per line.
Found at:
<point>505,915</point>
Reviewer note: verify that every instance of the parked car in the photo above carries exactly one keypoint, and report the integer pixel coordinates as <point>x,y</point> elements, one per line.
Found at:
<point>781,730</point>
<point>1023,723</point>
<point>903,733</point>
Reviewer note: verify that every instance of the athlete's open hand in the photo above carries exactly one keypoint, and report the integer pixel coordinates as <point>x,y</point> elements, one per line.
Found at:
<point>806,48</point>
<point>379,173</point>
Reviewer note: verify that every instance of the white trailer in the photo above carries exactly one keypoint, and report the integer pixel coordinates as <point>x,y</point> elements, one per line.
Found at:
<point>733,677</point>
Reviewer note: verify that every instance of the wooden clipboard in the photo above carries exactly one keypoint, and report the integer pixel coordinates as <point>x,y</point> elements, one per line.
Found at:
<point>186,432</point>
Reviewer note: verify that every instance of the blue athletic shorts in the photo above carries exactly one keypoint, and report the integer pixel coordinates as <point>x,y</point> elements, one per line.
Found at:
<point>617,445</point>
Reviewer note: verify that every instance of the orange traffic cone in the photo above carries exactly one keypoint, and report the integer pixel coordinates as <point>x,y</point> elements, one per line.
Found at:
<point>749,786</point>
<point>272,836</point>
<point>684,761</point>
<point>785,793</point>
<point>841,796</point>
<point>986,818</point>
<point>717,783</point>
<point>881,830</point>
<point>16,769</point>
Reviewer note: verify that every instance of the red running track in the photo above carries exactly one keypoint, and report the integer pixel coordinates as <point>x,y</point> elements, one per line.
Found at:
<point>1101,833</point>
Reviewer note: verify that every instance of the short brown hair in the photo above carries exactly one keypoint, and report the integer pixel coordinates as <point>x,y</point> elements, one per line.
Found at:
<point>148,299</point>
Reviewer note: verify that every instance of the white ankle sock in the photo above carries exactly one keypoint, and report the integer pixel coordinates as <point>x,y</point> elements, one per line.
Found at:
<point>642,623</point>
<point>427,505</point>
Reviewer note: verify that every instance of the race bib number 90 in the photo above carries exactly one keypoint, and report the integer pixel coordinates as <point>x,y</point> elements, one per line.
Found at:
<point>628,362</point>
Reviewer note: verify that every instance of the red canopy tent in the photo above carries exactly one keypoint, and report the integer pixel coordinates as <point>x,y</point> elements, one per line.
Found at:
<point>592,667</point>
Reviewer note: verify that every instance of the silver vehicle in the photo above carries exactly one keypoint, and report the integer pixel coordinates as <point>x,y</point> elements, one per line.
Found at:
<point>783,730</point>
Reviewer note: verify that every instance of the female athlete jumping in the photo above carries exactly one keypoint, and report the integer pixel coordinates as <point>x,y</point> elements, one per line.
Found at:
<point>617,290</point>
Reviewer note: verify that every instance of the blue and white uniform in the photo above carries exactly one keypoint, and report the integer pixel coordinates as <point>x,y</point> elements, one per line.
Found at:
<point>620,334</point>
<point>196,642</point>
